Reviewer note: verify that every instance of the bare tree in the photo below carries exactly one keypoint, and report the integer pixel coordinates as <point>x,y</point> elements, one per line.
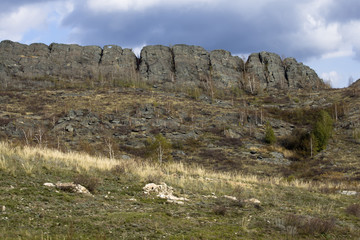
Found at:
<point>109,145</point>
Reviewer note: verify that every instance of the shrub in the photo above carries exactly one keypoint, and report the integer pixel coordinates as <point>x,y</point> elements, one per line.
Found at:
<point>309,225</point>
<point>159,148</point>
<point>323,130</point>
<point>91,183</point>
<point>220,210</point>
<point>269,134</point>
<point>354,209</point>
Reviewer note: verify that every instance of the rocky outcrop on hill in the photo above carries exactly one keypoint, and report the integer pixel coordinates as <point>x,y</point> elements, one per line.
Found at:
<point>23,66</point>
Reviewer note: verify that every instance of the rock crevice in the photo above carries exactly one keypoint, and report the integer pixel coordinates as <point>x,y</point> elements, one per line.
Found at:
<point>179,65</point>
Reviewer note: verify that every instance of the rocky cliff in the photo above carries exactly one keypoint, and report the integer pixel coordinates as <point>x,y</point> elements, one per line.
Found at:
<point>37,64</point>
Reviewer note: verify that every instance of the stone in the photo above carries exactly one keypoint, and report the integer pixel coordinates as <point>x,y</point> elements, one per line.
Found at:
<point>301,76</point>
<point>73,61</point>
<point>49,185</point>
<point>39,66</point>
<point>230,197</point>
<point>252,200</point>
<point>227,71</point>
<point>163,191</point>
<point>192,65</point>
<point>118,64</point>
<point>349,193</point>
<point>265,71</point>
<point>69,128</point>
<point>73,188</point>
<point>157,64</point>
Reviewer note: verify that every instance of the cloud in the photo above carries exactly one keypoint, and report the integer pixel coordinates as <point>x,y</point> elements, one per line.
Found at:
<point>304,29</point>
<point>14,24</point>
<point>205,23</point>
<point>22,18</point>
<point>333,77</point>
<point>140,5</point>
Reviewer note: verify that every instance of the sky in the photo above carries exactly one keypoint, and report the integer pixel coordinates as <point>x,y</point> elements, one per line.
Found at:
<point>323,34</point>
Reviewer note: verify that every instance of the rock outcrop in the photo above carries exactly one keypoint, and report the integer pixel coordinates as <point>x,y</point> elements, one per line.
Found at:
<point>35,65</point>
<point>266,70</point>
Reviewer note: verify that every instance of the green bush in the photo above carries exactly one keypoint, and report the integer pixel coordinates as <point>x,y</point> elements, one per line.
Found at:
<point>159,148</point>
<point>269,134</point>
<point>323,130</point>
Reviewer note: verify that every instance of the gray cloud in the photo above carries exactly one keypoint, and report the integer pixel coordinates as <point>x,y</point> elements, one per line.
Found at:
<point>211,28</point>
<point>343,11</point>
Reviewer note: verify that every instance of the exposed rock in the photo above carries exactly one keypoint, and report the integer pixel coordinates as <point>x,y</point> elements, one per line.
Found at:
<point>38,65</point>
<point>227,70</point>
<point>72,187</point>
<point>73,61</point>
<point>157,64</point>
<point>348,193</point>
<point>192,64</point>
<point>49,185</point>
<point>163,191</point>
<point>118,63</point>
<point>301,76</point>
<point>230,197</point>
<point>252,200</point>
<point>265,70</point>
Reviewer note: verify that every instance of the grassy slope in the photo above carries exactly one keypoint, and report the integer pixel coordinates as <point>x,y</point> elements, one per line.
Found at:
<point>120,210</point>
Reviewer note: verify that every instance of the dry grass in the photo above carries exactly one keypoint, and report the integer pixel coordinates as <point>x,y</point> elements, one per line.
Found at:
<point>191,177</point>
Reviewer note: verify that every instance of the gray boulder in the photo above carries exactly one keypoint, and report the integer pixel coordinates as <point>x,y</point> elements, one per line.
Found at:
<point>301,76</point>
<point>157,64</point>
<point>266,71</point>
<point>118,64</point>
<point>73,61</point>
<point>227,70</point>
<point>192,65</point>
<point>38,66</point>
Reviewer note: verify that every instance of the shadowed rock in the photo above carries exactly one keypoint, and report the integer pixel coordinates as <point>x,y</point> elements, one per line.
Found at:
<point>38,65</point>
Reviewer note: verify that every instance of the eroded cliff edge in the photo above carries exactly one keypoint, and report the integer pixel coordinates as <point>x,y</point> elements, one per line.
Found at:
<point>39,65</point>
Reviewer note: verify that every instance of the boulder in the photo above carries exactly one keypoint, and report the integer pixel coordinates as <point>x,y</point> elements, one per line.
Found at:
<point>192,65</point>
<point>74,61</point>
<point>163,191</point>
<point>226,70</point>
<point>265,71</point>
<point>301,76</point>
<point>72,188</point>
<point>41,66</point>
<point>118,64</point>
<point>157,64</point>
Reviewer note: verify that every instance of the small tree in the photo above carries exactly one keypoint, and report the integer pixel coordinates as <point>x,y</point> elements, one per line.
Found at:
<point>323,130</point>
<point>159,148</point>
<point>269,134</point>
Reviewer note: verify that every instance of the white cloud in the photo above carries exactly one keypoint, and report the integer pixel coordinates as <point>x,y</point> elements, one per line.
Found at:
<point>140,5</point>
<point>351,33</point>
<point>14,24</point>
<point>333,77</point>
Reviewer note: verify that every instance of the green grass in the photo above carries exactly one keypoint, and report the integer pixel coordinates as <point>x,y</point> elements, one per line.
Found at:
<point>120,210</point>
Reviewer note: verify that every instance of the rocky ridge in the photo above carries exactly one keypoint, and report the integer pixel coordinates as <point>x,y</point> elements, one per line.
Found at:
<point>38,65</point>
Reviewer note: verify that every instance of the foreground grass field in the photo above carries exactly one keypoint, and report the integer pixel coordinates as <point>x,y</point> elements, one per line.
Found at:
<point>119,209</point>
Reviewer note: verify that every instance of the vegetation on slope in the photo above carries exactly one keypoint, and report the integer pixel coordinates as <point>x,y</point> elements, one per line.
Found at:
<point>120,210</point>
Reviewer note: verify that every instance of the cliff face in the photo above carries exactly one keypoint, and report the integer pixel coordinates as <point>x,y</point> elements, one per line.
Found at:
<point>180,65</point>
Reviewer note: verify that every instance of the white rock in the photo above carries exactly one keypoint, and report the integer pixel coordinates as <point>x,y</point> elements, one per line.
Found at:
<point>252,200</point>
<point>348,193</point>
<point>49,185</point>
<point>72,187</point>
<point>230,197</point>
<point>164,192</point>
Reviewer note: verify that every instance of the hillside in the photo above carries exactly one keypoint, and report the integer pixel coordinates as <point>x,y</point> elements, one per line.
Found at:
<point>212,206</point>
<point>260,149</point>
